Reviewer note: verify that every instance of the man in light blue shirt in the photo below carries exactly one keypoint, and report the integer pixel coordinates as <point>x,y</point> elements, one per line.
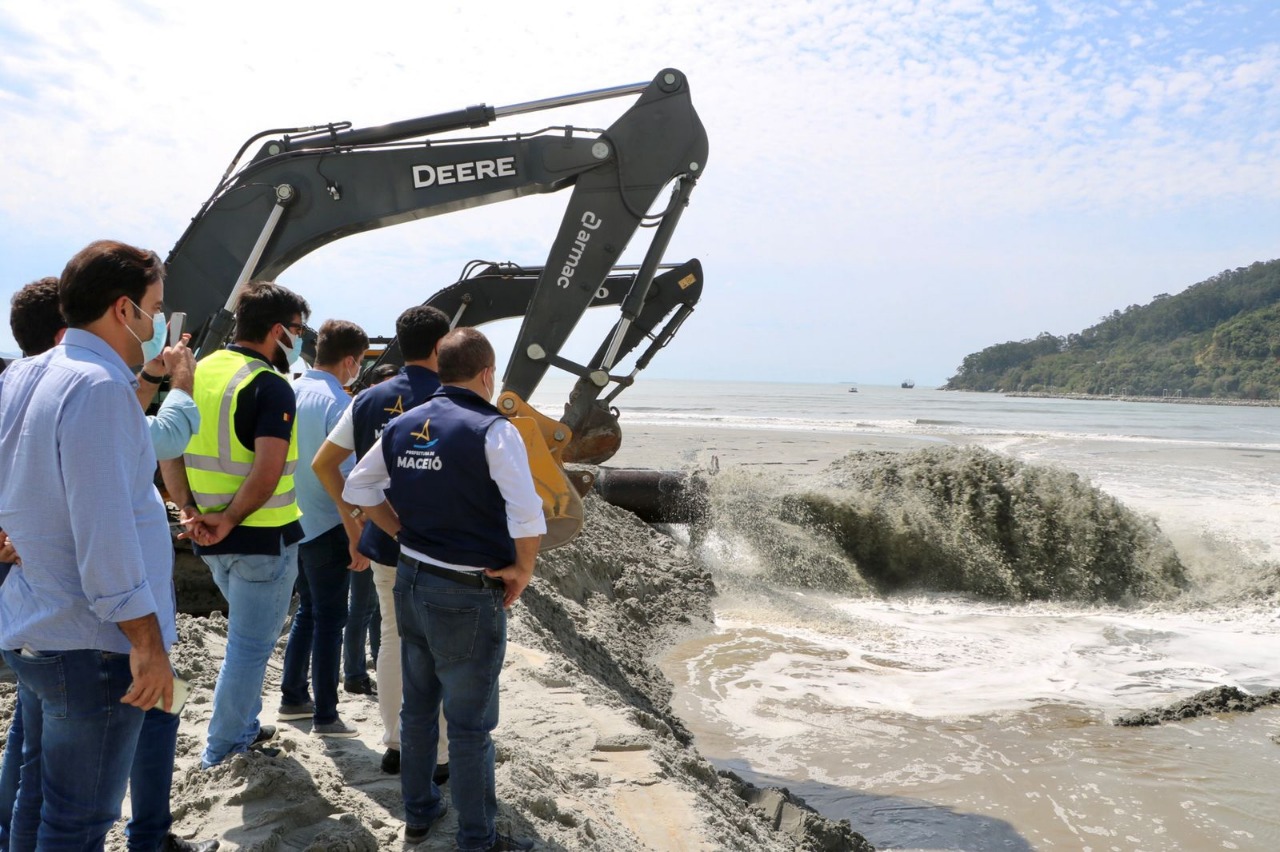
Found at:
<point>36,321</point>
<point>91,605</point>
<point>323,556</point>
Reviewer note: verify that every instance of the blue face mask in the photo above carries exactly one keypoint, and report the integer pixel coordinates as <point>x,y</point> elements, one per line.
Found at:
<point>294,351</point>
<point>152,348</point>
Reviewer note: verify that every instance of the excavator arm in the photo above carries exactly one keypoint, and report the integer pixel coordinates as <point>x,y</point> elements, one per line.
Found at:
<point>307,187</point>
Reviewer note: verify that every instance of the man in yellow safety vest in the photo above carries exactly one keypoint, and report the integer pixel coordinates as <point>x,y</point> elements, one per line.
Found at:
<point>235,486</point>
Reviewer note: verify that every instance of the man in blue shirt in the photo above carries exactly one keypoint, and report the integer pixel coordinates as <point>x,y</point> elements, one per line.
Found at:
<point>87,618</point>
<point>323,563</point>
<point>418,332</point>
<point>37,324</point>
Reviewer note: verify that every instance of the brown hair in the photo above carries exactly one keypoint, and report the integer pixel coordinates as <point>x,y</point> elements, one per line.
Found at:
<point>464,353</point>
<point>34,317</point>
<point>100,274</point>
<point>339,338</point>
<point>261,305</point>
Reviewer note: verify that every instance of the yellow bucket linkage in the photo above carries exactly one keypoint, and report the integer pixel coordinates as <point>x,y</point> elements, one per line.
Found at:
<point>545,440</point>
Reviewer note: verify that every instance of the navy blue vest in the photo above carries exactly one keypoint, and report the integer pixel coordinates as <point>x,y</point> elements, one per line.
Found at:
<point>372,409</point>
<point>449,505</point>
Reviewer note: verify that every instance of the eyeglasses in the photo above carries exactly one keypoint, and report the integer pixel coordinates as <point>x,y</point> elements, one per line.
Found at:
<point>295,327</point>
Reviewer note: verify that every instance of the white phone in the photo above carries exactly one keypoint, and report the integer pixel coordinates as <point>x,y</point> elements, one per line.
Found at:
<point>176,321</point>
<point>181,692</point>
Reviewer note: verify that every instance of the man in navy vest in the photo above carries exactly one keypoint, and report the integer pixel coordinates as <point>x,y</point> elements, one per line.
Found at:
<point>459,498</point>
<point>418,331</point>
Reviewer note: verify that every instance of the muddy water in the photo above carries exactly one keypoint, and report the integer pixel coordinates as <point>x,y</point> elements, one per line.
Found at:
<point>992,732</point>
<point>952,722</point>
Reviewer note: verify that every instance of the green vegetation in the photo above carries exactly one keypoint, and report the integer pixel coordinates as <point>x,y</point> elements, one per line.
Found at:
<point>1218,338</point>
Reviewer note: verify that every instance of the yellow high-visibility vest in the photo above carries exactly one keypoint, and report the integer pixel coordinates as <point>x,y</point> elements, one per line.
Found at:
<point>217,462</point>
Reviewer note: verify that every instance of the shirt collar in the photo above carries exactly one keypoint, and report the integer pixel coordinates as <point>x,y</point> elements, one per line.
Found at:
<point>324,376</point>
<point>98,346</point>
<point>252,353</point>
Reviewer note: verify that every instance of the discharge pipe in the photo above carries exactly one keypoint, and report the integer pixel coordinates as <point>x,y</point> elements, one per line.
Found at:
<point>655,496</point>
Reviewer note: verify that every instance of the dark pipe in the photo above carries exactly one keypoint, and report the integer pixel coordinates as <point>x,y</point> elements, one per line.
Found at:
<point>655,496</point>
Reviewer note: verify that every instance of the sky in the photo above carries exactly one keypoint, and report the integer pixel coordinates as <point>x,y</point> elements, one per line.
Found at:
<point>891,184</point>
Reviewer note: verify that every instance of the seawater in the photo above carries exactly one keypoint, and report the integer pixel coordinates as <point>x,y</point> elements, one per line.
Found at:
<point>936,721</point>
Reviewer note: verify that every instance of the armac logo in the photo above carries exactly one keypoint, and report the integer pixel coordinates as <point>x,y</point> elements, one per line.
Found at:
<point>424,176</point>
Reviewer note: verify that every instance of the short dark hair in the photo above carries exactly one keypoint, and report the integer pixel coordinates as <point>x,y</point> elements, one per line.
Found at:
<point>382,372</point>
<point>337,339</point>
<point>34,316</point>
<point>419,329</point>
<point>262,304</point>
<point>464,352</point>
<point>100,274</point>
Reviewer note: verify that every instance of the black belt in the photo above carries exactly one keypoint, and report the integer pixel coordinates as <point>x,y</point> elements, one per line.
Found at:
<point>475,579</point>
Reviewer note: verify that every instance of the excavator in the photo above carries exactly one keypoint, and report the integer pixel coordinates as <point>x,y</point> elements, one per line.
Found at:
<point>287,192</point>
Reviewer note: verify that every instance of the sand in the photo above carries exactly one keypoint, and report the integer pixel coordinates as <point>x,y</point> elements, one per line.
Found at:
<point>590,755</point>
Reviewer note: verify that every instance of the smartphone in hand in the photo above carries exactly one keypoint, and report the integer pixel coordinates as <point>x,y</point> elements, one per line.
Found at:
<point>181,692</point>
<point>176,321</point>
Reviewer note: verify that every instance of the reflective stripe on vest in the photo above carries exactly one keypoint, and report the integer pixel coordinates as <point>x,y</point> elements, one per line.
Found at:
<point>217,463</point>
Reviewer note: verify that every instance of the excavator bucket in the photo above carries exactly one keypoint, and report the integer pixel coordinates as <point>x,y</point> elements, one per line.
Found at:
<point>545,439</point>
<point>597,439</point>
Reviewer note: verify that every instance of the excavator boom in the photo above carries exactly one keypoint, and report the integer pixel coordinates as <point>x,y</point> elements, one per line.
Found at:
<point>304,188</point>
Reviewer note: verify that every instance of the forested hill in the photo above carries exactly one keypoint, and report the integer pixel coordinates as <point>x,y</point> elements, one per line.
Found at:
<point>1218,338</point>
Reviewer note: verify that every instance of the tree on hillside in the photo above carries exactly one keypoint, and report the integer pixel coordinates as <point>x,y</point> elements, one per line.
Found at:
<point>1220,337</point>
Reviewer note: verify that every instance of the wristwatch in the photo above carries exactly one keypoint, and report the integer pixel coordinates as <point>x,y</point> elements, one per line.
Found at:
<point>147,377</point>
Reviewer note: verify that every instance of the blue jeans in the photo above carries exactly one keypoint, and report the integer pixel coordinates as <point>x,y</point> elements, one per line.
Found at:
<point>257,588</point>
<point>364,603</point>
<point>10,772</point>
<point>78,747</point>
<point>316,635</point>
<point>453,640</point>
<point>150,779</point>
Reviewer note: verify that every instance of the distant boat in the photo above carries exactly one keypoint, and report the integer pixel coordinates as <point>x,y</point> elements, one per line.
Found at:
<point>853,389</point>
<point>909,383</point>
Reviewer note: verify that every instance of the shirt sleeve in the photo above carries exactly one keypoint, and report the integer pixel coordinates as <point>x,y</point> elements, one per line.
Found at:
<point>173,425</point>
<point>509,469</point>
<point>265,408</point>
<point>368,480</point>
<point>344,434</point>
<point>99,477</point>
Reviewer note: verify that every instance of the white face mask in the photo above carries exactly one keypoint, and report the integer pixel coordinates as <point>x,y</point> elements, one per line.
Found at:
<point>492,383</point>
<point>355,374</point>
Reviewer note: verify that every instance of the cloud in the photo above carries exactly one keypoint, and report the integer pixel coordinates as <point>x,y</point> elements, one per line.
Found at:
<point>892,140</point>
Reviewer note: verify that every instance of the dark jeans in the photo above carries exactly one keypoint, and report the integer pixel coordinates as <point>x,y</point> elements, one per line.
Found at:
<point>150,779</point>
<point>10,771</point>
<point>78,748</point>
<point>316,635</point>
<point>360,626</point>
<point>453,640</point>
